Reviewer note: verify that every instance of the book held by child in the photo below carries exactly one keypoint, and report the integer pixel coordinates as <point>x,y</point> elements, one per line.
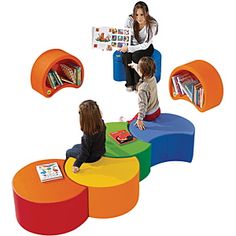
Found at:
<point>49,171</point>
<point>108,38</point>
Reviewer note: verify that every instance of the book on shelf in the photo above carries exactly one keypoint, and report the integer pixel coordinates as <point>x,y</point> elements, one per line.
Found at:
<point>49,172</point>
<point>77,73</point>
<point>109,38</point>
<point>57,77</point>
<point>51,80</point>
<point>122,136</point>
<point>177,87</point>
<point>66,80</point>
<point>187,84</point>
<point>69,72</point>
<point>197,88</point>
<point>54,79</point>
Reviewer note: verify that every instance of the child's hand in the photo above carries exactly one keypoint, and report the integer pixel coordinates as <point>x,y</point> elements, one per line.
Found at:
<point>75,169</point>
<point>140,124</point>
<point>132,65</point>
<point>135,67</point>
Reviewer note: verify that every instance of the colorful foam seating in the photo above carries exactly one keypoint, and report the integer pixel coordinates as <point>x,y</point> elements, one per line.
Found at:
<point>113,185</point>
<point>49,208</point>
<point>171,138</point>
<point>141,150</point>
<point>103,189</point>
<point>119,69</point>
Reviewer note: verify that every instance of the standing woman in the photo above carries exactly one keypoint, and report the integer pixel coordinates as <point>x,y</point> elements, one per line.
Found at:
<point>143,28</point>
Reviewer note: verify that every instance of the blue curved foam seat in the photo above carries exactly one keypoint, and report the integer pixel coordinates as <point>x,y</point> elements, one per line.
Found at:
<point>171,138</point>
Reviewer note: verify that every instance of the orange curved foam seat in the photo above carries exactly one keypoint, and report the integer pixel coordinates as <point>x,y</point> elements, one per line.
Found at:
<point>208,77</point>
<point>47,61</point>
<point>113,184</point>
<point>53,207</point>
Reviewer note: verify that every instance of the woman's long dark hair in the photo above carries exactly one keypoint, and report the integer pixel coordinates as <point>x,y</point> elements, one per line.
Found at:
<point>149,20</point>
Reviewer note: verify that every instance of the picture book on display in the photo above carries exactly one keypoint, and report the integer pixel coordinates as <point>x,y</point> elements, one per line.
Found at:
<point>122,136</point>
<point>49,171</point>
<point>108,38</point>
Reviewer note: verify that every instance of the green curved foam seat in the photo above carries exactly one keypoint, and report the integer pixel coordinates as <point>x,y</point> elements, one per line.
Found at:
<point>140,149</point>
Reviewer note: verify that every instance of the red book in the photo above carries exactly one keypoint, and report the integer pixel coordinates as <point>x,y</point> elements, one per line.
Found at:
<point>122,136</point>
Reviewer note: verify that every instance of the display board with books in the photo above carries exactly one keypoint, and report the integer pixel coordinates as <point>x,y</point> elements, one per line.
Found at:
<point>186,84</point>
<point>49,172</point>
<point>109,38</point>
<point>122,136</point>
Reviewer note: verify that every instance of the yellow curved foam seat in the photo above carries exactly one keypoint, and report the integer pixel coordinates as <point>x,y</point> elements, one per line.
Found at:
<point>113,184</point>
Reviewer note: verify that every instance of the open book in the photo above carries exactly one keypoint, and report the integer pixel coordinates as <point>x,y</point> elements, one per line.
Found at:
<point>122,136</point>
<point>107,38</point>
<point>49,171</point>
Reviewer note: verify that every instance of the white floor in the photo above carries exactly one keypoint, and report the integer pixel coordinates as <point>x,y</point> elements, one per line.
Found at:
<point>177,198</point>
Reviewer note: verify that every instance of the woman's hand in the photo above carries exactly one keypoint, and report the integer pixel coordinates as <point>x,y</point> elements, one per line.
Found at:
<point>75,169</point>
<point>140,124</point>
<point>124,49</point>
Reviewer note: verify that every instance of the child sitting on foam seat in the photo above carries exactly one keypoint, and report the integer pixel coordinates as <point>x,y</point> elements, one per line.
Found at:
<point>148,102</point>
<point>92,145</point>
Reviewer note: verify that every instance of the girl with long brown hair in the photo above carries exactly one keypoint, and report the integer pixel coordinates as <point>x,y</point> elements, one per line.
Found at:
<point>92,145</point>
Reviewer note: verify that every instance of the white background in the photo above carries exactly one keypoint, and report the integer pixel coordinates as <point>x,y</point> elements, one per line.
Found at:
<point>177,198</point>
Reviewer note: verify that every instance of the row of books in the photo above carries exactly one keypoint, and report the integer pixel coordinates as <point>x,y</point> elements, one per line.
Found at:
<point>187,84</point>
<point>70,73</point>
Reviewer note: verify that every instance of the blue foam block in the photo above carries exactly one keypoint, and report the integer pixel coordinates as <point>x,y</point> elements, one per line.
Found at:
<point>119,68</point>
<point>171,138</point>
<point>157,58</point>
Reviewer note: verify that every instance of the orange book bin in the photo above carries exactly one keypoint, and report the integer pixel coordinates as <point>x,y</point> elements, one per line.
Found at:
<point>52,59</point>
<point>209,78</point>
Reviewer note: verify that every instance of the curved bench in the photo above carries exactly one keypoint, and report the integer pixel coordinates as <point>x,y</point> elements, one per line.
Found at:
<point>113,185</point>
<point>171,138</point>
<point>53,207</point>
<point>138,148</point>
<point>103,189</point>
